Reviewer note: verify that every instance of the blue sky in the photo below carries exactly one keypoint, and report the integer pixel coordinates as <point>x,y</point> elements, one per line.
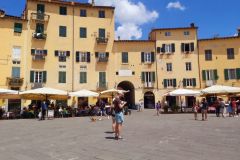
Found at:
<point>211,16</point>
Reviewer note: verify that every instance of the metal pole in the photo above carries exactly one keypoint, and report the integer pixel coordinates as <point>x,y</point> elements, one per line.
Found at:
<point>181,103</point>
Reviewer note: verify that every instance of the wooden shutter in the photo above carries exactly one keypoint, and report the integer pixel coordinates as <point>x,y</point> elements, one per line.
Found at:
<point>101,32</point>
<point>142,56</point>
<point>64,77</point>
<point>152,57</point>
<point>81,77</point>
<point>85,77</point>
<point>226,74</point>
<point>192,46</point>
<point>59,77</point>
<point>16,72</point>
<point>215,74</point>
<point>194,82</point>
<point>56,53</point>
<point>124,57</point>
<point>165,82</point>
<point>163,48</point>
<point>83,32</point>
<point>77,56</point>
<point>63,10</point>
<point>173,47</point>
<point>203,75</point>
<point>45,52</point>
<point>44,76</point>
<point>96,54</point>
<point>238,73</point>
<point>88,57</point>
<point>32,51</point>
<point>41,7</point>
<point>68,53</point>
<point>158,49</point>
<point>182,46</point>
<point>184,82</point>
<point>62,31</point>
<point>31,76</point>
<point>174,83</point>
<point>18,27</point>
<point>40,28</point>
<point>107,54</point>
<point>153,77</point>
<point>102,79</point>
<point>143,76</point>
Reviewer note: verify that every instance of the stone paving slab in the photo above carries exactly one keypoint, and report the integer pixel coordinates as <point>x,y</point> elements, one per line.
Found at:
<point>165,137</point>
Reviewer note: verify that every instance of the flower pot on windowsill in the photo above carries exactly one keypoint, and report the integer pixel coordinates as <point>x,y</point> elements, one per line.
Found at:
<point>187,52</point>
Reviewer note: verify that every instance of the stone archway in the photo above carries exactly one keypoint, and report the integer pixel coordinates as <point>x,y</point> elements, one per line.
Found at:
<point>130,96</point>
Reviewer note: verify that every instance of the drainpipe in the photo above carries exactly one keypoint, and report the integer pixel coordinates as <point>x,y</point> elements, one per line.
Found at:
<point>199,63</point>
<point>73,51</point>
<point>156,57</point>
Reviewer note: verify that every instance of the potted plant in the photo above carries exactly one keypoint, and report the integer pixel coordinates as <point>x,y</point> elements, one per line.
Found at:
<point>174,108</point>
<point>106,59</point>
<point>73,112</point>
<point>165,108</point>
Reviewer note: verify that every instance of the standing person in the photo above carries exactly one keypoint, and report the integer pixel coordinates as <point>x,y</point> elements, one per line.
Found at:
<point>52,105</point>
<point>35,111</point>
<point>195,111</point>
<point>230,107</point>
<point>158,107</point>
<point>103,109</point>
<point>217,103</point>
<point>140,105</point>
<point>234,107</point>
<point>39,115</point>
<point>112,111</point>
<point>204,109</point>
<point>44,107</point>
<point>223,108</point>
<point>119,115</point>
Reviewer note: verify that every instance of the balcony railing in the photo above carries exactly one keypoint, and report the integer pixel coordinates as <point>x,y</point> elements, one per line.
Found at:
<point>62,58</point>
<point>39,36</point>
<point>15,81</point>
<point>210,83</point>
<point>102,85</point>
<point>148,85</point>
<point>101,40</point>
<point>40,17</point>
<point>38,58</point>
<point>37,85</point>
<point>103,59</point>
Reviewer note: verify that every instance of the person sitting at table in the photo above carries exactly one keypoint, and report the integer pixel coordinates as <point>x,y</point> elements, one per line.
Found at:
<point>60,112</point>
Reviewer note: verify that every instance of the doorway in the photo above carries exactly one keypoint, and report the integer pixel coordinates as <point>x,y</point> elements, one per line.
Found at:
<point>129,97</point>
<point>171,100</point>
<point>191,101</point>
<point>149,100</point>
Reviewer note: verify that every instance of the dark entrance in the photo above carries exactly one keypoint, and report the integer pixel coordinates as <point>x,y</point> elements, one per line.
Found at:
<point>211,99</point>
<point>129,96</point>
<point>191,100</point>
<point>171,100</point>
<point>149,100</point>
<point>14,104</point>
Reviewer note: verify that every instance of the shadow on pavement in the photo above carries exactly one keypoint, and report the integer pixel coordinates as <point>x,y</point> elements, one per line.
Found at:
<point>109,132</point>
<point>110,138</point>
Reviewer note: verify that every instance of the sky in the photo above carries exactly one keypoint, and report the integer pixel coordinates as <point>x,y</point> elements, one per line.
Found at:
<point>135,18</point>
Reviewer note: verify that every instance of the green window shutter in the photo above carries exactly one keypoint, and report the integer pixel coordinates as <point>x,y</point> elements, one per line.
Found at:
<point>152,57</point>
<point>85,77</point>
<point>83,32</point>
<point>143,76</point>
<point>153,77</point>
<point>165,83</point>
<point>40,28</point>
<point>238,73</point>
<point>62,31</point>
<point>59,77</point>
<point>81,77</point>
<point>124,57</point>
<point>163,48</point>
<point>77,57</point>
<point>16,72</point>
<point>182,47</point>
<point>41,7</point>
<point>192,46</point>
<point>226,74</point>
<point>18,27</point>
<point>56,53</point>
<point>96,54</point>
<point>64,77</point>
<point>44,76</point>
<point>68,53</point>
<point>63,10</point>
<point>194,82</point>
<point>31,76</point>
<point>215,74</point>
<point>142,56</point>
<point>32,51</point>
<point>45,52</point>
<point>174,83</point>
<point>107,54</point>
<point>101,32</point>
<point>173,47</point>
<point>203,75</point>
<point>88,57</point>
<point>102,79</point>
<point>184,82</point>
<point>158,49</point>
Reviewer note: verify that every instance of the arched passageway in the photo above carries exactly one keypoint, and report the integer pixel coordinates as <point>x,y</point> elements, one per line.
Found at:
<point>129,96</point>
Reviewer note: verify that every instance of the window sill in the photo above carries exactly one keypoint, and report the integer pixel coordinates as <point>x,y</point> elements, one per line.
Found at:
<point>147,62</point>
<point>125,63</point>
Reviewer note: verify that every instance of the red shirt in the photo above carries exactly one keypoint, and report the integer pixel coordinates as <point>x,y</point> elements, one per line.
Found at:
<point>233,104</point>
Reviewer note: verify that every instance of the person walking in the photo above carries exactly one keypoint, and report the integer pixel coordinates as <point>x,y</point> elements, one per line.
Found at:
<point>158,107</point>
<point>140,106</point>
<point>103,109</point>
<point>234,107</point>
<point>204,109</point>
<point>44,107</point>
<point>195,111</point>
<point>217,104</point>
<point>112,111</point>
<point>222,107</point>
<point>230,107</point>
<point>119,115</point>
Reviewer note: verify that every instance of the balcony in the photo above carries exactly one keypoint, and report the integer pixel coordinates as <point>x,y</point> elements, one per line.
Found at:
<point>38,58</point>
<point>39,36</point>
<point>37,85</point>
<point>15,81</point>
<point>62,59</point>
<point>40,17</point>
<point>102,40</point>
<point>210,83</point>
<point>148,85</point>
<point>102,86</point>
<point>102,59</point>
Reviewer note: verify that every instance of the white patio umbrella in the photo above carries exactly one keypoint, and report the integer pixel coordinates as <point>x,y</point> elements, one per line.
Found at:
<point>111,92</point>
<point>221,90</point>
<point>44,93</point>
<point>8,94</point>
<point>84,93</point>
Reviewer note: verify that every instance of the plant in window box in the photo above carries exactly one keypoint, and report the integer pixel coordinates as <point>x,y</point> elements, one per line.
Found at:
<point>174,108</point>
<point>39,11</point>
<point>106,59</point>
<point>187,52</point>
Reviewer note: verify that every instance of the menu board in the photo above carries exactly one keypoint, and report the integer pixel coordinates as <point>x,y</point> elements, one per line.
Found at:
<point>50,113</point>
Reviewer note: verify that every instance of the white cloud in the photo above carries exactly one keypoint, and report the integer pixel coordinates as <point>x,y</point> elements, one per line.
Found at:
<point>130,16</point>
<point>235,34</point>
<point>175,5</point>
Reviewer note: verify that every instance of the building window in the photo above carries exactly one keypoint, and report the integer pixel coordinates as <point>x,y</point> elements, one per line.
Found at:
<point>188,66</point>
<point>18,27</point>
<point>189,82</point>
<point>63,10</point>
<point>16,52</point>
<point>232,74</point>
<point>168,48</point>
<point>169,67</point>
<point>83,77</point>
<point>133,73</point>
<point>62,77</point>
<point>62,31</point>
<point>116,73</point>
<point>83,32</point>
<point>38,77</point>
<point>148,78</point>
<point>147,57</point>
<point>62,56</point>
<point>186,33</point>
<point>62,66</point>
<point>16,62</point>
<point>230,53</point>
<point>83,67</point>
<point>16,72</point>
<point>187,47</point>
<point>167,34</point>
<point>169,82</point>
<point>208,55</point>
<point>209,75</point>
<point>101,14</point>
<point>83,56</point>
<point>83,13</point>
<point>39,52</point>
<point>124,57</point>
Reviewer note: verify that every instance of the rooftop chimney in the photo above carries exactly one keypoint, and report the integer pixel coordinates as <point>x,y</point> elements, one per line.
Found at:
<point>238,31</point>
<point>119,38</point>
<point>215,36</point>
<point>2,13</point>
<point>152,28</point>
<point>73,2</point>
<point>22,15</point>
<point>192,24</point>
<point>93,3</point>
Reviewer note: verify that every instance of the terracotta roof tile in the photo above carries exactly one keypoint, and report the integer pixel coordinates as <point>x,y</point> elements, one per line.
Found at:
<point>134,41</point>
<point>219,38</point>
<point>176,28</point>
<point>13,17</point>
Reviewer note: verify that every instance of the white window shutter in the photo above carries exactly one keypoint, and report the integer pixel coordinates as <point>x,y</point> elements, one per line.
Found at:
<point>16,52</point>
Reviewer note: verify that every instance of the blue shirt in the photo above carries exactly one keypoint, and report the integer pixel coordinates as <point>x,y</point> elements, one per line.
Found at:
<point>44,106</point>
<point>204,105</point>
<point>102,105</point>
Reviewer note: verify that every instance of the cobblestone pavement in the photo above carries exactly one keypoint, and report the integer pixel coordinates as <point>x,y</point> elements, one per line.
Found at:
<point>164,137</point>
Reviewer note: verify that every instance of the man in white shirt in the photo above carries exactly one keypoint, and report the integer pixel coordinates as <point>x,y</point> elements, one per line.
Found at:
<point>140,105</point>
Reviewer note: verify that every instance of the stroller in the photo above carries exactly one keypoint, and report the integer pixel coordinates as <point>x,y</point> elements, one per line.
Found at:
<point>94,114</point>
